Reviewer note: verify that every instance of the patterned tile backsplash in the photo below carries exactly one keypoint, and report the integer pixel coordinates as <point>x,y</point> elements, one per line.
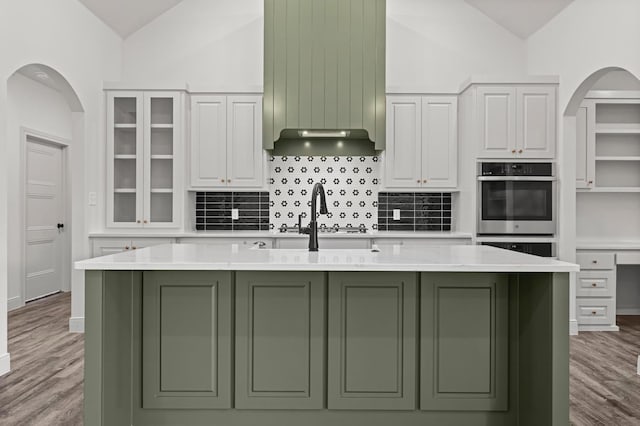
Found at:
<point>418,211</point>
<point>213,211</point>
<point>351,185</point>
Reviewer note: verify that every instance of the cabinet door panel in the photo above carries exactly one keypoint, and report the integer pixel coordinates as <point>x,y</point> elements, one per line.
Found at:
<point>244,146</point>
<point>464,342</point>
<point>372,341</point>
<point>403,153</point>
<point>208,149</point>
<point>186,339</point>
<point>497,121</point>
<point>536,122</point>
<point>280,340</point>
<point>585,145</point>
<point>439,142</point>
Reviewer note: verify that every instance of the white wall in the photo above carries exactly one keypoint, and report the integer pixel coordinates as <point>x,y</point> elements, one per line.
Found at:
<point>215,43</point>
<point>434,45</point>
<point>34,106</point>
<point>67,37</point>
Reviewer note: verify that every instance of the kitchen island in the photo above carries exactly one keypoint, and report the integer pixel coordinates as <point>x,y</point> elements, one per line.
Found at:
<point>443,335</point>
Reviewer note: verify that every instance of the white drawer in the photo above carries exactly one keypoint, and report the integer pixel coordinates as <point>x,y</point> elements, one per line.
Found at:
<point>595,260</point>
<point>596,311</point>
<point>596,284</point>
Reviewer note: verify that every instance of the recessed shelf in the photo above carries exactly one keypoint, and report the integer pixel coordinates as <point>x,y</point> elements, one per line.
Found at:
<point>125,157</point>
<point>606,130</point>
<point>124,126</point>
<point>618,158</point>
<point>162,157</point>
<point>124,190</point>
<point>162,126</point>
<point>162,191</point>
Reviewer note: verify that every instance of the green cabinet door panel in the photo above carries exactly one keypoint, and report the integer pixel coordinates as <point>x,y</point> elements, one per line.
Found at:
<point>464,342</point>
<point>280,340</point>
<point>324,67</point>
<point>372,341</point>
<point>186,335</point>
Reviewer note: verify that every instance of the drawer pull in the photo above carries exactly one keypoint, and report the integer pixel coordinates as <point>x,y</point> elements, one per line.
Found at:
<point>593,312</point>
<point>594,285</point>
<point>594,261</point>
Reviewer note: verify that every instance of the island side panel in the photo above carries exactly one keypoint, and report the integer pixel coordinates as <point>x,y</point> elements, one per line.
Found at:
<point>108,358</point>
<point>544,349</point>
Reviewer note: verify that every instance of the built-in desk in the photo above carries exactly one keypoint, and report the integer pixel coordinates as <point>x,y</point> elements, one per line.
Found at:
<point>599,280</point>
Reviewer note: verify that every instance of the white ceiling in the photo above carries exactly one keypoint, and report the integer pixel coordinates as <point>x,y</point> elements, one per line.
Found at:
<point>128,16</point>
<point>521,17</point>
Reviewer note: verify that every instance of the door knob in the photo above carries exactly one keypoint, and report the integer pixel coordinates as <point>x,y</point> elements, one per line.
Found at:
<point>60,225</point>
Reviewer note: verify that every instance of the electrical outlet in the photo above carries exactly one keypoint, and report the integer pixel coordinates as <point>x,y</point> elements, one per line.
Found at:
<point>396,214</point>
<point>235,214</point>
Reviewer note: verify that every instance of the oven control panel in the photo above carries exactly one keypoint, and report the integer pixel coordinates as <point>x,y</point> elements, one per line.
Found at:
<point>516,169</point>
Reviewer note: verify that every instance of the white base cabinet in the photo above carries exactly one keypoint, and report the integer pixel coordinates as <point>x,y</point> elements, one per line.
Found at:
<point>105,246</point>
<point>596,291</point>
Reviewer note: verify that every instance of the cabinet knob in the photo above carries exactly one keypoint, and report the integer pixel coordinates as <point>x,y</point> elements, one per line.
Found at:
<point>590,182</point>
<point>513,151</point>
<point>222,180</point>
<point>594,261</point>
<point>418,181</point>
<point>228,180</point>
<point>593,312</point>
<point>134,247</point>
<point>126,247</point>
<point>138,221</point>
<point>424,181</point>
<point>594,285</point>
<point>145,221</point>
<point>519,151</point>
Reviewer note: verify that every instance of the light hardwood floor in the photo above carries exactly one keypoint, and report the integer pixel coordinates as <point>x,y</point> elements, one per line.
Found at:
<point>45,384</point>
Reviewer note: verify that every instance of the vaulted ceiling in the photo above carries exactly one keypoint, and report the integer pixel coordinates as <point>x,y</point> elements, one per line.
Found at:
<point>521,17</point>
<point>128,16</point>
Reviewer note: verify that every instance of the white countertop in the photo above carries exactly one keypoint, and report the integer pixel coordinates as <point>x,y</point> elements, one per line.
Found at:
<point>608,244</point>
<point>276,234</point>
<point>399,258</point>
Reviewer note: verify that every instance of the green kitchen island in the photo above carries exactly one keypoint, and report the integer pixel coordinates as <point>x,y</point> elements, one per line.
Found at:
<point>206,335</point>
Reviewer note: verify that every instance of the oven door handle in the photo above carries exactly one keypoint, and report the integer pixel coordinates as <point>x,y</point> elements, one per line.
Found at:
<point>517,178</point>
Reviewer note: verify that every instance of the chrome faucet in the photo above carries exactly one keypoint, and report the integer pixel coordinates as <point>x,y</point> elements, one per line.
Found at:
<point>312,229</point>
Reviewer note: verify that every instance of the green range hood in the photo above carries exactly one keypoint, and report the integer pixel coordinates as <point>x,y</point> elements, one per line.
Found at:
<point>324,71</point>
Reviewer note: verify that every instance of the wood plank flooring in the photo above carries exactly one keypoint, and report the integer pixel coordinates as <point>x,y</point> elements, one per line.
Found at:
<point>44,387</point>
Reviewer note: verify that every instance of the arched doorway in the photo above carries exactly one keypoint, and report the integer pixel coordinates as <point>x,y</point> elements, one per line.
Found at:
<point>45,132</point>
<point>601,198</point>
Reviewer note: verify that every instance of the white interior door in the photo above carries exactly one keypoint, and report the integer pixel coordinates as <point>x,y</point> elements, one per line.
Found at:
<point>44,211</point>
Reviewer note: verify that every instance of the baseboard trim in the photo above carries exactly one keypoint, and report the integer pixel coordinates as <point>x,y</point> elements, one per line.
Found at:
<point>4,364</point>
<point>628,311</point>
<point>14,303</point>
<point>76,325</point>
<point>598,328</point>
<point>573,327</point>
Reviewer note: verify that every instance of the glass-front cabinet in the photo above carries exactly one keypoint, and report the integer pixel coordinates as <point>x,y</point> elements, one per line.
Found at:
<point>143,143</point>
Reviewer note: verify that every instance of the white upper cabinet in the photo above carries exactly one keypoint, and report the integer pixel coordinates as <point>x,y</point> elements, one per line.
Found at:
<point>422,143</point>
<point>208,141</point>
<point>536,121</point>
<point>516,121</point>
<point>497,120</point>
<point>226,146</point>
<point>403,151</point>
<point>439,141</point>
<point>144,134</point>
